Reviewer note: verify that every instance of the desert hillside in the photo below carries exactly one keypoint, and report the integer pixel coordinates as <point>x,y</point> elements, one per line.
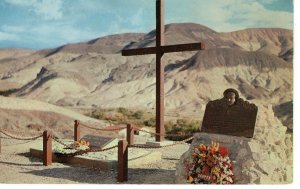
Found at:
<point>274,41</point>
<point>93,74</point>
<point>23,115</point>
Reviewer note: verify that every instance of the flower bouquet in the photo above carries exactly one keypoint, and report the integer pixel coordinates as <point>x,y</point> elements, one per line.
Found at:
<point>209,165</point>
<point>62,151</point>
<point>81,144</point>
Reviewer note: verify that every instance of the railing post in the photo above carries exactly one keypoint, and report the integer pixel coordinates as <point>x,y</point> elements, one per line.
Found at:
<point>0,141</point>
<point>130,134</point>
<point>122,161</point>
<point>47,148</point>
<point>76,131</point>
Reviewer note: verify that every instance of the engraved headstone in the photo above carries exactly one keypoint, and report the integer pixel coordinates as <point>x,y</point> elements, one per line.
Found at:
<point>230,115</point>
<point>100,141</point>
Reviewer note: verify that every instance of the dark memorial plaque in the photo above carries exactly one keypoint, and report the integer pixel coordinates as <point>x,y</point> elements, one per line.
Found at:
<point>230,116</point>
<point>97,141</point>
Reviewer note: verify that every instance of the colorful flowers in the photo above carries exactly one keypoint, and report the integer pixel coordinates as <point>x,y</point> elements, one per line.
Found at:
<point>209,165</point>
<point>71,148</point>
<point>81,143</point>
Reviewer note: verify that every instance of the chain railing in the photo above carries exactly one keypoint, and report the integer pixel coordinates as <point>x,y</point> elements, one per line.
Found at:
<point>143,146</point>
<point>166,135</point>
<point>56,139</point>
<point>104,129</point>
<point>120,127</point>
<point>19,138</point>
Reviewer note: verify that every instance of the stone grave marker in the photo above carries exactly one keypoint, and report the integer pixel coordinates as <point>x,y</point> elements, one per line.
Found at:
<point>230,115</point>
<point>100,141</point>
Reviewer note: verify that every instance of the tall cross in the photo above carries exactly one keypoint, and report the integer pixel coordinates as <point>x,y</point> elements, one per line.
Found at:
<point>159,50</point>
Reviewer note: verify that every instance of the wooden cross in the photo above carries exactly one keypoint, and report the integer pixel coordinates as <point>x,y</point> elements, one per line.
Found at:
<point>159,50</point>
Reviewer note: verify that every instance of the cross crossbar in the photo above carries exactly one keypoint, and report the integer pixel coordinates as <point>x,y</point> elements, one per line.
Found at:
<point>159,50</point>
<point>164,49</point>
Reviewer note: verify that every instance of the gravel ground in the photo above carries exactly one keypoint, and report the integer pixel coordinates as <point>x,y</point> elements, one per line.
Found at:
<point>18,168</point>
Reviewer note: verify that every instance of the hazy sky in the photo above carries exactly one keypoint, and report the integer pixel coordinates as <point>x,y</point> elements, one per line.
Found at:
<point>40,24</point>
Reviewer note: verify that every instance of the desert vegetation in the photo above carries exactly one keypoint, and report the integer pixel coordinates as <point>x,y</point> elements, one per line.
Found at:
<point>144,118</point>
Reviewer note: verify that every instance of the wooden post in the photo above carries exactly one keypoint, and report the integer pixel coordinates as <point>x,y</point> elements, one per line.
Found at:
<point>130,134</point>
<point>122,161</point>
<point>76,131</point>
<point>160,41</point>
<point>0,141</point>
<point>47,148</point>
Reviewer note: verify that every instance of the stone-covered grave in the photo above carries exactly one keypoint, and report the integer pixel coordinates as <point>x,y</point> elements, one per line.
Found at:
<point>105,160</point>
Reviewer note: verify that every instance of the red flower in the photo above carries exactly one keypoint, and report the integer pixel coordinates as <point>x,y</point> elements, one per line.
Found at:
<point>223,151</point>
<point>202,147</point>
<point>214,179</point>
<point>205,170</point>
<point>208,164</point>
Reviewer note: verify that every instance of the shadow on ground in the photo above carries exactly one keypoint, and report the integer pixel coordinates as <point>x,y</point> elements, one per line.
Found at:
<point>150,176</point>
<point>77,174</point>
<point>93,176</point>
<point>21,164</point>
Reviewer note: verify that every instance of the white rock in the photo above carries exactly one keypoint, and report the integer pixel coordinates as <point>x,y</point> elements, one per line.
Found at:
<point>264,179</point>
<point>248,163</point>
<point>255,162</point>
<point>242,153</point>
<point>288,176</point>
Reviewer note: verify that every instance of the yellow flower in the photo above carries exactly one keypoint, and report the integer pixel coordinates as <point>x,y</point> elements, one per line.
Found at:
<point>190,179</point>
<point>202,147</point>
<point>216,171</point>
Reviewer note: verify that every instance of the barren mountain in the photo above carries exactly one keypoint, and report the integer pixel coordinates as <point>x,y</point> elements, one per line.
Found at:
<point>274,41</point>
<point>11,54</point>
<point>187,33</point>
<point>22,115</point>
<point>257,62</point>
<point>104,45</point>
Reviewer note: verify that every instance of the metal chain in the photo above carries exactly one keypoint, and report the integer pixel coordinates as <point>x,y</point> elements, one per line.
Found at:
<point>120,128</point>
<point>20,133</point>
<point>60,142</point>
<point>136,128</point>
<point>80,152</point>
<point>179,142</point>
<point>143,146</point>
<point>154,147</point>
<point>19,138</point>
<point>188,134</point>
<point>95,150</point>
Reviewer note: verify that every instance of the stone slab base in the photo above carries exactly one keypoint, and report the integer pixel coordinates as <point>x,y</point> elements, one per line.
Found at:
<point>159,144</point>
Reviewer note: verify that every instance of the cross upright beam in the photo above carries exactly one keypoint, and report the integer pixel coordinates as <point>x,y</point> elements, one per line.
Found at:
<point>159,50</point>
<point>160,41</point>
